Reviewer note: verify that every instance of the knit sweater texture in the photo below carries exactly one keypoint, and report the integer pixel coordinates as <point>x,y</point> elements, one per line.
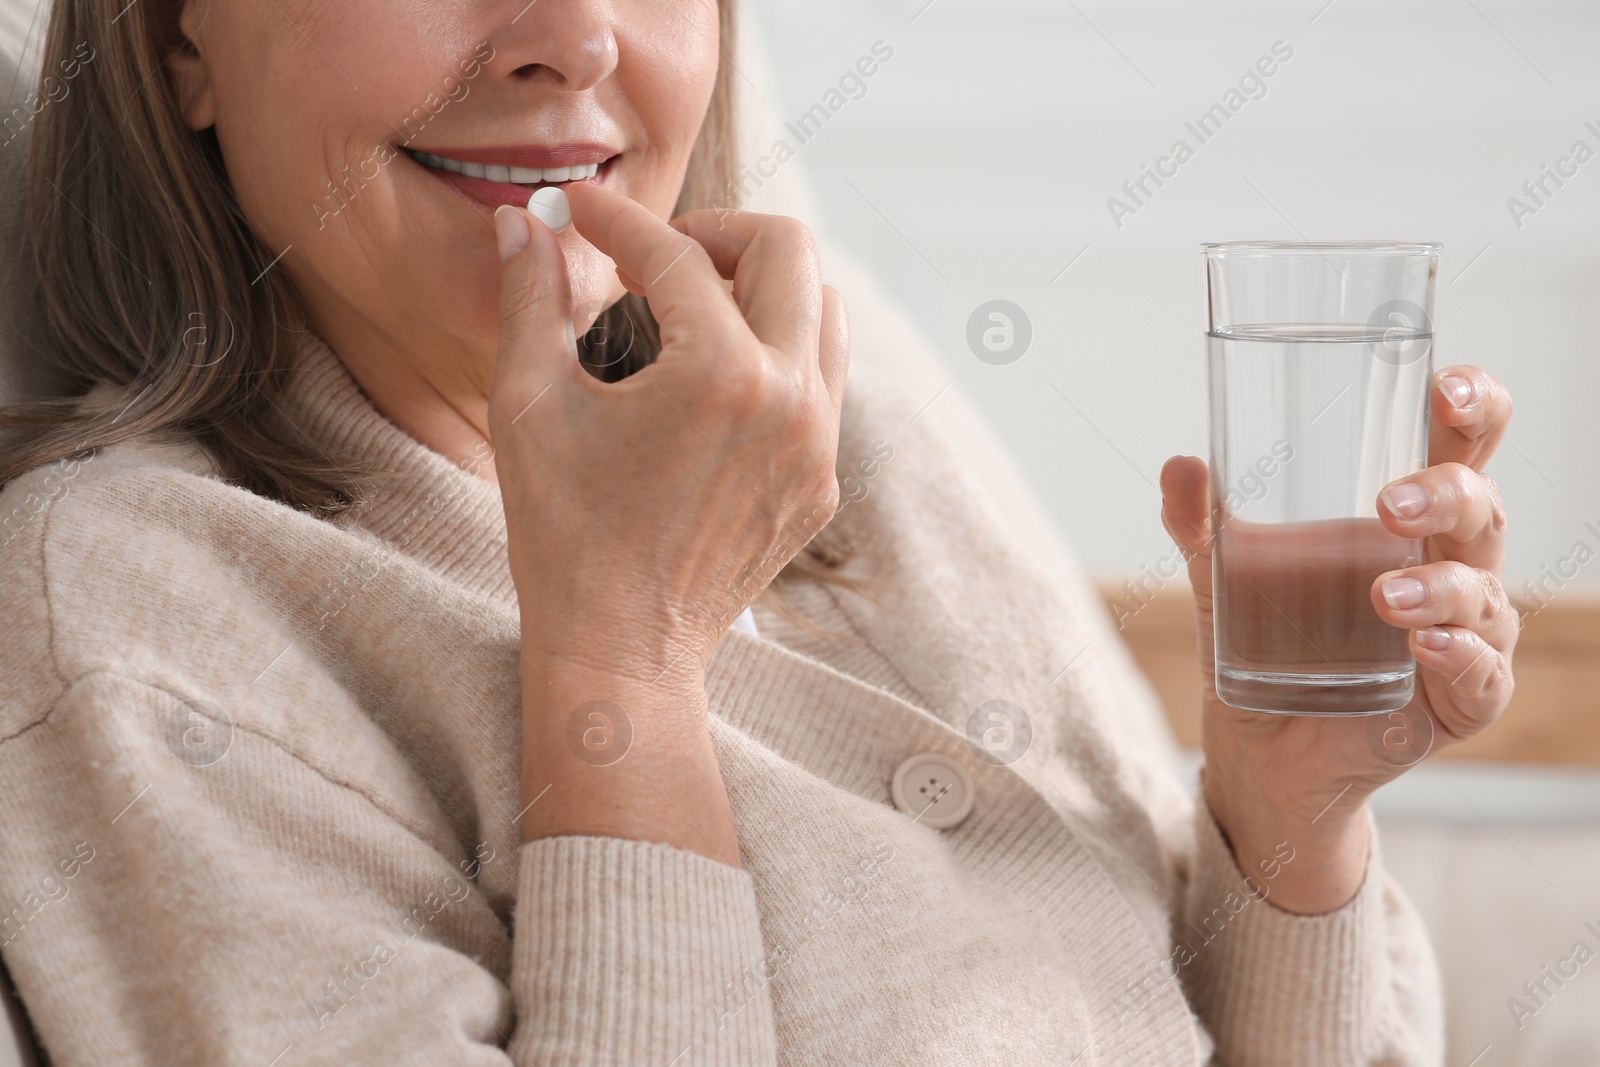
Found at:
<point>259,800</point>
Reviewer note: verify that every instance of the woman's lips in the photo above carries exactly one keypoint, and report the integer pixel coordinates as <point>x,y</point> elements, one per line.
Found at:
<point>510,174</point>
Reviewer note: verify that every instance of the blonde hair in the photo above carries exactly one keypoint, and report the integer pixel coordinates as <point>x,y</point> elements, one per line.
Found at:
<point>139,242</point>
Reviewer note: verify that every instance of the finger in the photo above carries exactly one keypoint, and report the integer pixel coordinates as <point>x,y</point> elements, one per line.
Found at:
<point>1446,593</point>
<point>833,354</point>
<point>1470,413</point>
<point>1185,502</point>
<point>772,262</point>
<point>537,345</point>
<point>1469,682</point>
<point>629,284</point>
<point>1455,505</point>
<point>1186,514</point>
<point>670,268</point>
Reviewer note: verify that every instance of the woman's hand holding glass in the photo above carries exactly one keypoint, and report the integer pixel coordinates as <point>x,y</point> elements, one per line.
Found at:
<point>1305,780</point>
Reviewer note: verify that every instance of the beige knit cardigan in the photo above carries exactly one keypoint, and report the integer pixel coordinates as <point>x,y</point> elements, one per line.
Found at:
<point>259,798</point>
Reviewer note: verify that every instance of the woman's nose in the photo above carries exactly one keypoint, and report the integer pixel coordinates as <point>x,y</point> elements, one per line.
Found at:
<point>569,44</point>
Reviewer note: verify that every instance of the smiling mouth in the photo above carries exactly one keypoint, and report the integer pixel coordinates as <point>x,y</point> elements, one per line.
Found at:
<point>509,174</point>
<point>530,177</point>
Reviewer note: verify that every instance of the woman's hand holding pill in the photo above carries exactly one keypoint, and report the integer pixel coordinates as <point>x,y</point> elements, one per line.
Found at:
<point>1306,779</point>
<point>645,504</point>
<point>643,515</point>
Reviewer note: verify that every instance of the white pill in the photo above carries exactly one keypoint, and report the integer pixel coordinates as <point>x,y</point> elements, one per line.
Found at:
<point>549,205</point>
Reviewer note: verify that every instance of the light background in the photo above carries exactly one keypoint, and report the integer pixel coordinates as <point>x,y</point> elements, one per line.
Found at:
<point>979,162</point>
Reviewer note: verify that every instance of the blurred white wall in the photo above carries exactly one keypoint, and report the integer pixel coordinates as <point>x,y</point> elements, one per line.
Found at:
<point>978,161</point>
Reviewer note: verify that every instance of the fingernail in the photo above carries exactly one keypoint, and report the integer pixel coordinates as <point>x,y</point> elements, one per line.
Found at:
<point>1434,639</point>
<point>549,205</point>
<point>1404,592</point>
<point>511,226</point>
<point>1456,390</point>
<point>1406,500</point>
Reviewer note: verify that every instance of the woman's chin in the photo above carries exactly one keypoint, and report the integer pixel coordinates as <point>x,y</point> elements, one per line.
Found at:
<point>593,278</point>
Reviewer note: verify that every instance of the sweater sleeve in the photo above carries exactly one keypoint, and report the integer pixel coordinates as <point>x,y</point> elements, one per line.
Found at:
<point>1358,986</point>
<point>227,902</point>
<point>635,953</point>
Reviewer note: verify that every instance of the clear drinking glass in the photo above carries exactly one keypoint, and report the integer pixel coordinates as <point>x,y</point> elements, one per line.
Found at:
<point>1320,358</point>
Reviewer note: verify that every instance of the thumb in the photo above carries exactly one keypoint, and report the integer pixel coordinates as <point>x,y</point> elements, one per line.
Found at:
<point>1185,502</point>
<point>1186,514</point>
<point>537,343</point>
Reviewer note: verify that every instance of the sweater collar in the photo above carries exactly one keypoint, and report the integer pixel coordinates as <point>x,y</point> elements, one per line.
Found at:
<point>439,513</point>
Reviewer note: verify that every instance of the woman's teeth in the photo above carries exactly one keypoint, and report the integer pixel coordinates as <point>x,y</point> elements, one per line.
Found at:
<point>518,175</point>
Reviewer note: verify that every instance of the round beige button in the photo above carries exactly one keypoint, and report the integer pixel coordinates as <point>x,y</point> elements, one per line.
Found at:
<point>933,789</point>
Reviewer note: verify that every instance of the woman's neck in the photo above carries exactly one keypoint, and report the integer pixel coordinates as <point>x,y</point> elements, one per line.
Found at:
<point>437,392</point>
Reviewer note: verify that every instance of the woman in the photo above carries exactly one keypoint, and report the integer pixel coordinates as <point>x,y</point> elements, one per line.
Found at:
<point>372,693</point>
